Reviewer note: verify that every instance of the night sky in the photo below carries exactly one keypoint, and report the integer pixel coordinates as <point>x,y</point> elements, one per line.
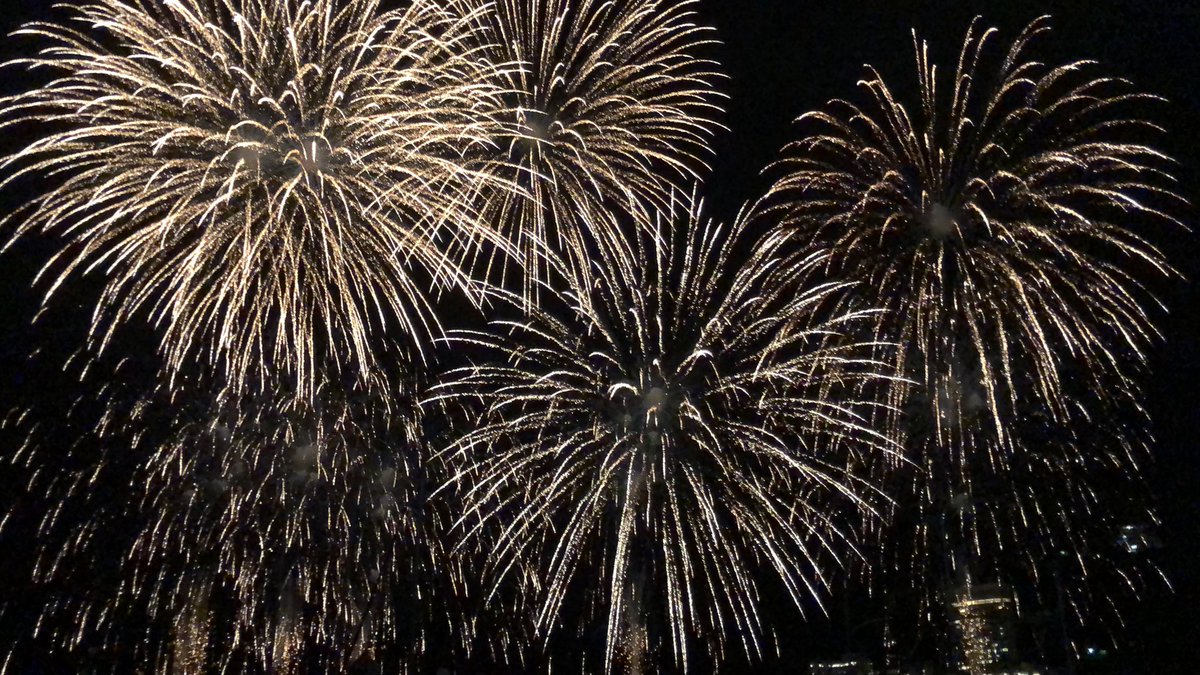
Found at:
<point>784,58</point>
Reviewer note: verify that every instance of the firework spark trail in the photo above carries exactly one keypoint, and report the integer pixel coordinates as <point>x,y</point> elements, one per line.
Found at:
<point>272,532</point>
<point>1002,227</point>
<point>675,423</point>
<point>610,106</point>
<point>317,509</point>
<point>271,182</point>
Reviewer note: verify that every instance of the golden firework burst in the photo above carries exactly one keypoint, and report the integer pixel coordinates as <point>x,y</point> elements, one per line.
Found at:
<point>275,184</point>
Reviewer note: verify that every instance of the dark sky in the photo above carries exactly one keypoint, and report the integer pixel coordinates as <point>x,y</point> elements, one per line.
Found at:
<point>786,57</point>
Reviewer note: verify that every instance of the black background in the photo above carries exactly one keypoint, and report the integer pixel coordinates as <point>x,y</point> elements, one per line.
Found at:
<point>787,57</point>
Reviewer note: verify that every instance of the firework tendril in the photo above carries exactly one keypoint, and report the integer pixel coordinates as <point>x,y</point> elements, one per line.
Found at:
<point>676,424</point>
<point>272,182</point>
<point>1003,225</point>
<point>610,106</point>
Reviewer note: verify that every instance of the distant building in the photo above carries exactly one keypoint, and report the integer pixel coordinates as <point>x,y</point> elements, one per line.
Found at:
<point>1138,538</point>
<point>849,665</point>
<point>983,616</point>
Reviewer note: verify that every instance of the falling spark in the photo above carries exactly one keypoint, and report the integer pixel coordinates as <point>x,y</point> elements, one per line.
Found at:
<point>656,434</point>
<point>270,532</point>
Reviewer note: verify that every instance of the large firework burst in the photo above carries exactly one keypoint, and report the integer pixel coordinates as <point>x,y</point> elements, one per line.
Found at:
<point>609,106</point>
<point>675,424</point>
<point>272,182</point>
<point>1000,224</point>
<point>272,532</point>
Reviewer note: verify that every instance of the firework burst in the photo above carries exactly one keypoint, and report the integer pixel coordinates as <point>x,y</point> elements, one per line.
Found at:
<point>1000,224</point>
<point>271,532</point>
<point>673,424</point>
<point>610,106</point>
<point>313,520</point>
<point>271,182</point>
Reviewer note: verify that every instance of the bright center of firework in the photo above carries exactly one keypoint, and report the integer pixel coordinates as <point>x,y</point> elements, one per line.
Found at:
<point>939,221</point>
<point>534,135</point>
<point>649,410</point>
<point>285,148</point>
<point>304,460</point>
<point>304,455</point>
<point>536,127</point>
<point>248,156</point>
<point>312,156</point>
<point>654,397</point>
